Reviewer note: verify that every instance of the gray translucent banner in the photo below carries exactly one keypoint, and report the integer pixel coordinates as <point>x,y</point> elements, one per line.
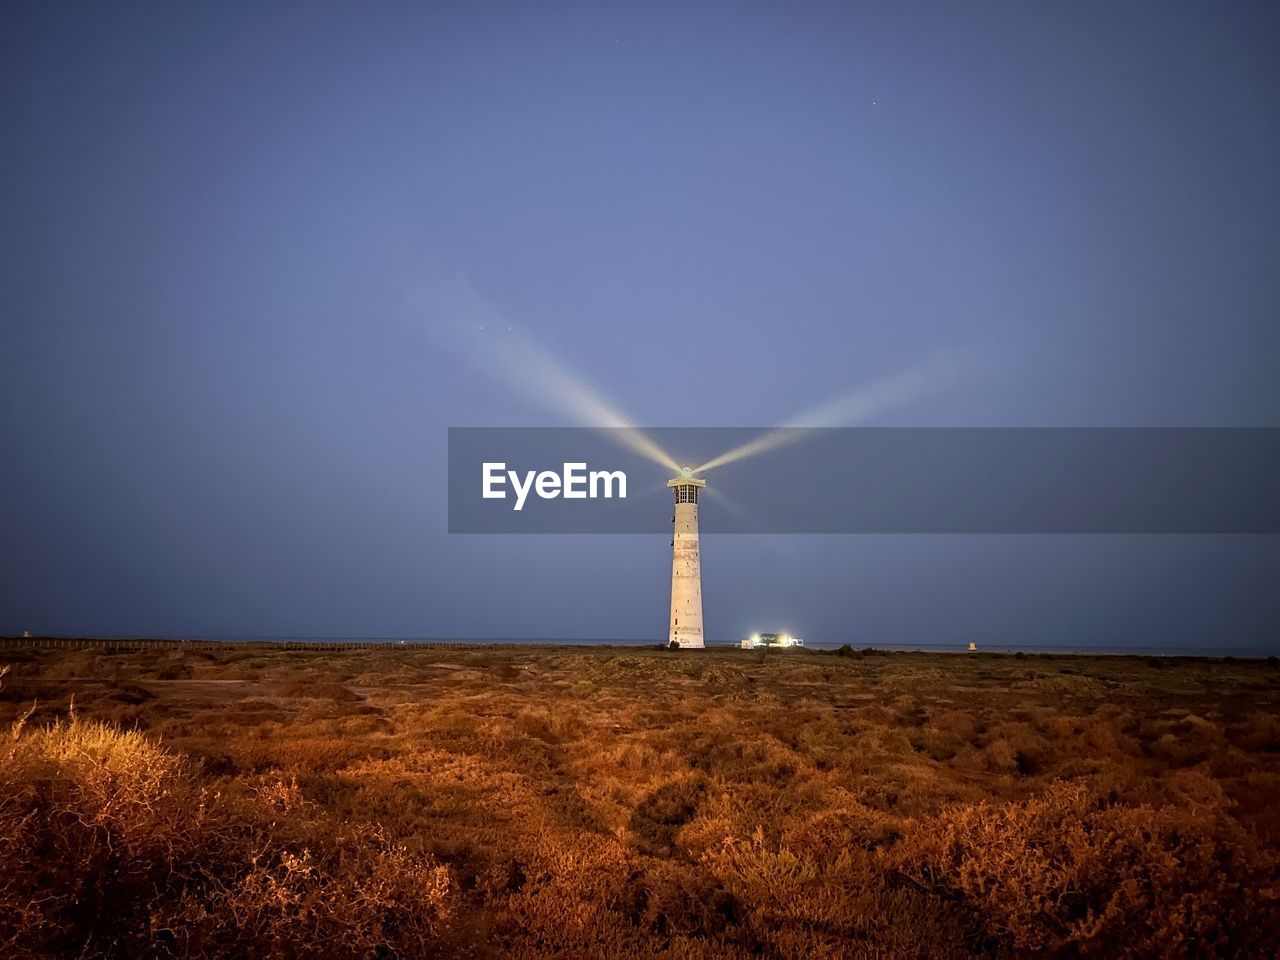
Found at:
<point>873,480</point>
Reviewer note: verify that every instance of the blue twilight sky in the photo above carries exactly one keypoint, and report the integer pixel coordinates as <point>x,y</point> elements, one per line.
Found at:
<point>246,249</point>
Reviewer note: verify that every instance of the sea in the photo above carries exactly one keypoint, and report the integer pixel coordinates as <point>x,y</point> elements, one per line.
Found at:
<point>955,647</point>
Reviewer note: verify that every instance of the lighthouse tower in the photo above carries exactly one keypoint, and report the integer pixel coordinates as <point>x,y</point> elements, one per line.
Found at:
<point>686,565</point>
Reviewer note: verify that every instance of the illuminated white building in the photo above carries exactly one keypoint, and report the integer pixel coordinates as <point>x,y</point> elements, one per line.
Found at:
<point>757,640</point>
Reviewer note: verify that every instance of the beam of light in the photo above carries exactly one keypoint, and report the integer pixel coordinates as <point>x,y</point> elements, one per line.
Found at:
<point>543,379</point>
<point>493,344</point>
<point>850,409</point>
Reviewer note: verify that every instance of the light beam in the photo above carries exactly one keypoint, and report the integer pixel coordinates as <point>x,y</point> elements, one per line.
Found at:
<point>491,342</point>
<point>848,410</point>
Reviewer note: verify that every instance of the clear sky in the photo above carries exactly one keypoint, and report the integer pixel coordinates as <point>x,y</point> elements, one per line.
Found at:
<point>228,230</point>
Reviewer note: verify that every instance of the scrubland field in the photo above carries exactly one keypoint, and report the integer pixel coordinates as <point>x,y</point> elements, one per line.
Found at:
<point>610,802</point>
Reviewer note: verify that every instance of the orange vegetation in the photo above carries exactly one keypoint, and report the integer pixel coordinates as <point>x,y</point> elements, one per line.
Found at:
<point>621,803</point>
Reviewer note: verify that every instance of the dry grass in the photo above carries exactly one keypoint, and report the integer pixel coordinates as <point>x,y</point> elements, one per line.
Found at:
<point>112,845</point>
<point>627,803</point>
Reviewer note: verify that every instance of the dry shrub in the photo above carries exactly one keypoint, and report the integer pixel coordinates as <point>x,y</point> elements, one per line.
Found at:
<point>851,827</point>
<point>361,895</point>
<point>1069,871</point>
<point>674,898</point>
<point>109,846</point>
<point>317,754</point>
<point>132,694</point>
<point>1015,748</point>
<point>174,665</point>
<point>1189,741</point>
<point>319,690</point>
<point>1261,732</point>
<point>578,895</point>
<point>1066,684</point>
<point>1000,756</point>
<point>660,816</point>
<point>803,903</point>
<point>571,899</point>
<point>89,813</point>
<point>945,734</point>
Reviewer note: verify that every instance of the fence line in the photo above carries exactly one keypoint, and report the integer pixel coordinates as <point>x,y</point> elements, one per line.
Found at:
<point>319,646</point>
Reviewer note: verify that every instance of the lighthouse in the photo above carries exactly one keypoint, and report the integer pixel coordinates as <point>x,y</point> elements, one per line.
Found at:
<point>686,563</point>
